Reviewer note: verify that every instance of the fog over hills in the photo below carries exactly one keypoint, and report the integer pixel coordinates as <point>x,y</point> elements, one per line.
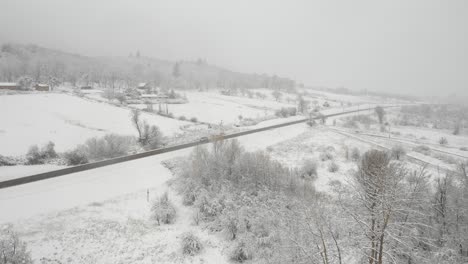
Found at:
<point>41,64</point>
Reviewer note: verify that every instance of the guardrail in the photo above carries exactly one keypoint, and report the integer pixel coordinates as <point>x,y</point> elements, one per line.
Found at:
<point>98,164</point>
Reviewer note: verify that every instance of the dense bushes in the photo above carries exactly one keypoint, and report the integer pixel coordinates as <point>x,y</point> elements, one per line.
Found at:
<point>75,157</point>
<point>100,148</point>
<point>6,161</point>
<point>422,149</point>
<point>230,189</point>
<point>40,156</point>
<point>163,212</point>
<point>286,111</point>
<point>106,147</point>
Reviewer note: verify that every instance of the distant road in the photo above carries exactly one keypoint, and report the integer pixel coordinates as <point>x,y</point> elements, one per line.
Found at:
<point>94,165</point>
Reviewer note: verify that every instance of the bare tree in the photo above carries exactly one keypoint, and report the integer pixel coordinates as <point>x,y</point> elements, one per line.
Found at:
<point>380,113</point>
<point>302,104</point>
<point>277,95</point>
<point>148,135</point>
<point>388,208</point>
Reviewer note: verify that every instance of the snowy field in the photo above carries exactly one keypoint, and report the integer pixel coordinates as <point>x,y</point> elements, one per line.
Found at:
<point>96,215</point>
<point>28,119</point>
<point>81,210</point>
<point>214,108</point>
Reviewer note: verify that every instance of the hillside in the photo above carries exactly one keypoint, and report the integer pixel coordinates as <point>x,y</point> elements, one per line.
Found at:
<point>44,65</point>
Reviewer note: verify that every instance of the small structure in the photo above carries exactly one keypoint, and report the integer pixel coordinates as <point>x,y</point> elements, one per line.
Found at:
<point>86,87</point>
<point>42,87</point>
<point>9,86</point>
<point>143,85</point>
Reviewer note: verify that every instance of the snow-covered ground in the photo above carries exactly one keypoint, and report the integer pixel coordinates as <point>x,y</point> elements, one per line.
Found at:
<point>28,119</point>
<point>103,213</point>
<point>214,108</point>
<point>83,216</point>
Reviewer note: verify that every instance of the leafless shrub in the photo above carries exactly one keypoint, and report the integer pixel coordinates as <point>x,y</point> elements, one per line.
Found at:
<point>355,154</point>
<point>309,169</point>
<point>398,152</point>
<point>191,245</point>
<point>333,167</point>
<point>12,249</point>
<point>241,252</point>
<point>149,136</point>
<point>443,141</point>
<point>327,155</point>
<point>163,211</point>
<point>380,113</point>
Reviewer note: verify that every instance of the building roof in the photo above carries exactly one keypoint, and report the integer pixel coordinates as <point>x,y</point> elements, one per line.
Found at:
<point>42,85</point>
<point>143,84</point>
<point>8,84</point>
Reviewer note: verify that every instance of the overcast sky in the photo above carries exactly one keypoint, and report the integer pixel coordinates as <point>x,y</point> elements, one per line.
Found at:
<point>399,46</point>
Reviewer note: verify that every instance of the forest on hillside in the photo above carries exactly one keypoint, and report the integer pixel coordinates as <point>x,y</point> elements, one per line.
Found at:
<point>41,65</point>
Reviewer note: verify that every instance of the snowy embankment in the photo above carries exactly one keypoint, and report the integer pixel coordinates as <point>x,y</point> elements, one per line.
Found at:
<point>29,119</point>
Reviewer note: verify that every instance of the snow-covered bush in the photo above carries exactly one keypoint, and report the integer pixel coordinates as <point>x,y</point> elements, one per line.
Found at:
<point>398,152</point>
<point>49,150</point>
<point>241,251</point>
<point>191,245</point>
<point>40,156</point>
<point>189,195</point>
<point>6,161</point>
<point>208,207</point>
<point>443,141</point>
<point>75,157</point>
<point>12,249</point>
<point>333,167</point>
<point>194,120</point>
<point>327,155</point>
<point>309,169</point>
<point>311,123</point>
<point>350,124</point>
<point>355,154</point>
<point>422,149</point>
<point>163,212</point>
<point>286,111</point>
<point>464,148</point>
<point>183,118</point>
<point>108,146</point>
<point>149,136</point>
